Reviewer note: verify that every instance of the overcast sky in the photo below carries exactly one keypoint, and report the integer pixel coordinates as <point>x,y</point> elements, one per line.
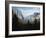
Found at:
<point>26,11</point>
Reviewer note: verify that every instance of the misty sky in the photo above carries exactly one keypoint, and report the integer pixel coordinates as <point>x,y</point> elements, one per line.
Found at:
<point>26,11</point>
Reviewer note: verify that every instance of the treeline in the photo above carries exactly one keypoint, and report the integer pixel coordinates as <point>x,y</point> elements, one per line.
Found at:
<point>17,26</point>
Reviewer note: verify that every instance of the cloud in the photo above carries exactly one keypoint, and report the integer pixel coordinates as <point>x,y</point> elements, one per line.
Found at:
<point>26,10</point>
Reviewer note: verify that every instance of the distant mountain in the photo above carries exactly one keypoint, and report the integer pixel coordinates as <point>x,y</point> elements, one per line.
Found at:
<point>31,18</point>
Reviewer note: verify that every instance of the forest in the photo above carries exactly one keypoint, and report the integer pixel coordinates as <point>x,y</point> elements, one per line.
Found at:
<point>17,26</point>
